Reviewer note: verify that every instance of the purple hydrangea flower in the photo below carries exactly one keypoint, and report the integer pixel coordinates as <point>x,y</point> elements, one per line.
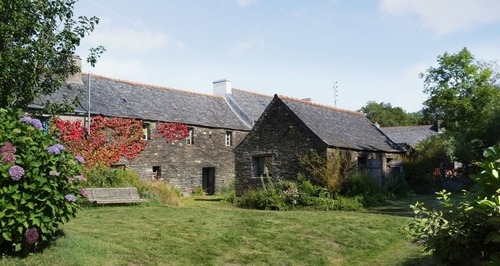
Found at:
<point>8,157</point>
<point>59,146</point>
<point>16,172</point>
<point>84,192</point>
<point>31,235</point>
<point>80,159</point>
<point>70,197</point>
<point>54,173</point>
<point>53,149</point>
<point>32,121</point>
<point>8,148</point>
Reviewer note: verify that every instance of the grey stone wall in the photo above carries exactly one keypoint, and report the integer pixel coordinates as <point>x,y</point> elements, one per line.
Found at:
<point>182,164</point>
<point>280,135</point>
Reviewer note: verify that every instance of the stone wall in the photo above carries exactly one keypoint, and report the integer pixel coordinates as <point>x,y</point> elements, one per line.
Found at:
<point>182,164</point>
<point>280,136</point>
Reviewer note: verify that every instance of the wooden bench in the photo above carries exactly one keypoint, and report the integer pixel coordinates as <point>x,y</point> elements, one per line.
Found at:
<point>114,195</point>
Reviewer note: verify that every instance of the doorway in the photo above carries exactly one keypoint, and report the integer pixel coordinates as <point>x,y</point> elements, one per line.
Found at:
<point>208,180</point>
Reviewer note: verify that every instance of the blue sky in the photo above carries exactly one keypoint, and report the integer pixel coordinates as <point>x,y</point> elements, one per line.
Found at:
<point>373,50</point>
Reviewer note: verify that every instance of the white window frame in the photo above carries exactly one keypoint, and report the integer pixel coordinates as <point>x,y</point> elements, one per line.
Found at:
<point>145,131</point>
<point>229,138</point>
<point>190,137</point>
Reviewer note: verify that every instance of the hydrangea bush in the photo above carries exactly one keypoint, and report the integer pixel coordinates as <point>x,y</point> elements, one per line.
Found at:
<point>40,183</point>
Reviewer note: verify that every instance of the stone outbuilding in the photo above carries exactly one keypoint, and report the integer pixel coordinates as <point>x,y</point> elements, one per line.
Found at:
<point>289,128</point>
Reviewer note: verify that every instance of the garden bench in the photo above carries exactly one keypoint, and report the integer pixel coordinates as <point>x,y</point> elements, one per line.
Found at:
<point>114,195</point>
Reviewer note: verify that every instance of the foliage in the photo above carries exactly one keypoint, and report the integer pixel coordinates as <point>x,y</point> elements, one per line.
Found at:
<point>172,131</point>
<point>467,232</point>
<point>286,195</point>
<point>364,187</point>
<point>429,155</point>
<point>463,94</point>
<point>110,138</point>
<point>40,183</point>
<point>330,171</point>
<point>104,176</point>
<point>387,115</point>
<point>37,43</point>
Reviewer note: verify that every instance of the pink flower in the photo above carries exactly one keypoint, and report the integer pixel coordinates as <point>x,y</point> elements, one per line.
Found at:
<point>84,192</point>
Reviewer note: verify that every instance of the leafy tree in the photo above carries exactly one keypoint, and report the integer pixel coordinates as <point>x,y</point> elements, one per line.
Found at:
<point>387,115</point>
<point>463,94</point>
<point>37,43</point>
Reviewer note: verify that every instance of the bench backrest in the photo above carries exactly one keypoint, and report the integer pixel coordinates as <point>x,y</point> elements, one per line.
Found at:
<point>121,193</point>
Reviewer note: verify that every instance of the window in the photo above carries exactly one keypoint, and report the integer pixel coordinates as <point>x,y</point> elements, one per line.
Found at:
<point>362,163</point>
<point>229,138</point>
<point>145,131</point>
<point>190,137</point>
<point>262,165</point>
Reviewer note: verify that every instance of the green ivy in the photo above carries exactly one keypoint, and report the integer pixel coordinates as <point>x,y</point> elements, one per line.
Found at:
<point>40,183</point>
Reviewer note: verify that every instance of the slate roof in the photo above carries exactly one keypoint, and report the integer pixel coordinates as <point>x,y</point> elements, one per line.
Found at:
<point>341,128</point>
<point>253,104</point>
<point>112,97</point>
<point>410,135</point>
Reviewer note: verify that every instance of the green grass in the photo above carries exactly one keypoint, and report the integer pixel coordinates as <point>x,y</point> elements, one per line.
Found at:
<point>211,233</point>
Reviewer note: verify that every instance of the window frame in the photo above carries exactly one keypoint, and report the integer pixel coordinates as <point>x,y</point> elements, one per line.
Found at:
<point>190,137</point>
<point>146,132</point>
<point>228,140</point>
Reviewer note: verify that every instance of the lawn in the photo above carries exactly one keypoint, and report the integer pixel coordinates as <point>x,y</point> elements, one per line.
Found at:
<point>213,233</point>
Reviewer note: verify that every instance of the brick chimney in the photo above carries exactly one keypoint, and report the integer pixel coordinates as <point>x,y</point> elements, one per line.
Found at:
<point>77,77</point>
<point>222,87</point>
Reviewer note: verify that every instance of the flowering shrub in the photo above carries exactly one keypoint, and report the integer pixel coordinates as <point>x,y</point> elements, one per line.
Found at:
<point>40,183</point>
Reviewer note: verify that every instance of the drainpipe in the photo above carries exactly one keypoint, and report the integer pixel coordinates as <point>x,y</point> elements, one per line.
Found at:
<point>88,110</point>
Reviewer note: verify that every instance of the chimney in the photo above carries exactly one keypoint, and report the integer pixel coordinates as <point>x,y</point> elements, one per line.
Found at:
<point>77,77</point>
<point>222,87</point>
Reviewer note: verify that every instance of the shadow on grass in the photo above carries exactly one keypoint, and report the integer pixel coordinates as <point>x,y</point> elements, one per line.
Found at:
<point>420,261</point>
<point>6,248</point>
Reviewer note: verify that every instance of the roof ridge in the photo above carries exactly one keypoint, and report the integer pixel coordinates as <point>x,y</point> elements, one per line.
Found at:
<point>255,93</point>
<point>152,86</point>
<point>322,105</point>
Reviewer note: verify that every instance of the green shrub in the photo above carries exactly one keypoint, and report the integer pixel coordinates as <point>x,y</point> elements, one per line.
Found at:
<point>104,176</point>
<point>359,183</point>
<point>467,232</point>
<point>40,183</point>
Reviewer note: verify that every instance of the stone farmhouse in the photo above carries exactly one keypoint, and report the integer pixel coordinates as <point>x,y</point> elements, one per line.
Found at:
<point>203,160</point>
<point>290,128</point>
<point>275,127</point>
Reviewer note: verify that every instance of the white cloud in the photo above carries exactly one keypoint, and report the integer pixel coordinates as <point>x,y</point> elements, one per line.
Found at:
<point>446,16</point>
<point>243,3</point>
<point>128,40</point>
<point>127,70</point>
